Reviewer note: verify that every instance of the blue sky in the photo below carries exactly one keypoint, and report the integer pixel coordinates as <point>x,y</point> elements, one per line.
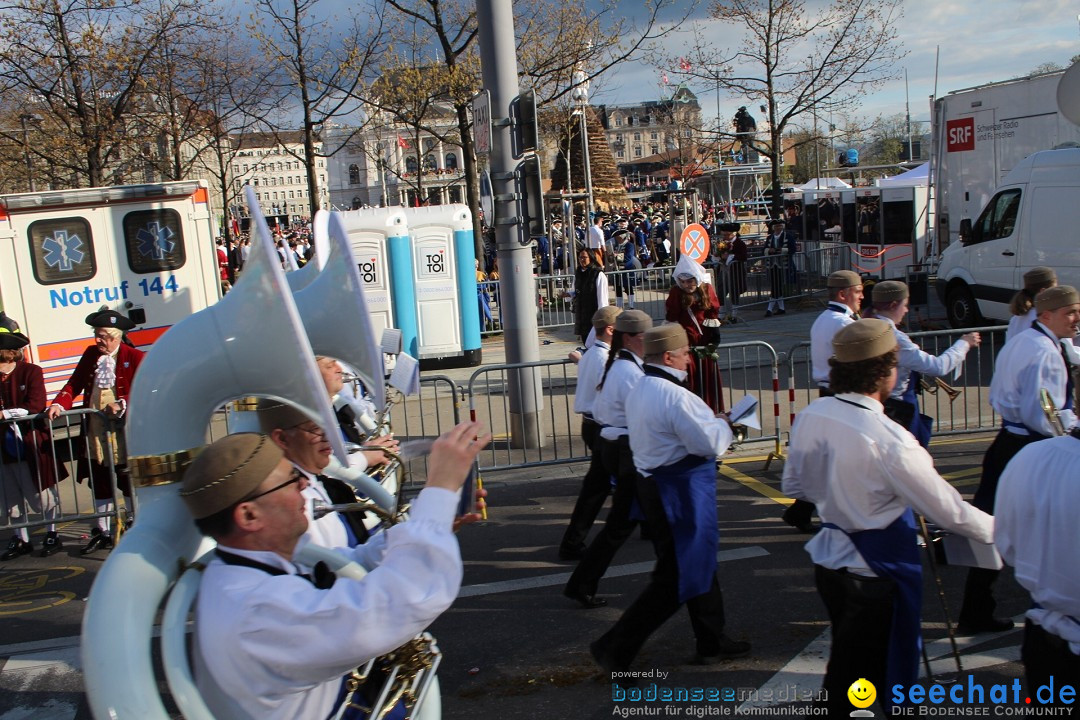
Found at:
<point>980,40</point>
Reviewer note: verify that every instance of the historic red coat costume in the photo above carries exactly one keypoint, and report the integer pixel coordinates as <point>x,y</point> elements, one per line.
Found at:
<point>25,388</point>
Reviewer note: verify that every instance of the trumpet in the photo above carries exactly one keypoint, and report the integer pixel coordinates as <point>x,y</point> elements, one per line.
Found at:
<point>1051,412</point>
<point>932,388</point>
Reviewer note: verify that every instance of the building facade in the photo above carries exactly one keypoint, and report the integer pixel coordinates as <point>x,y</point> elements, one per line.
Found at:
<point>274,167</point>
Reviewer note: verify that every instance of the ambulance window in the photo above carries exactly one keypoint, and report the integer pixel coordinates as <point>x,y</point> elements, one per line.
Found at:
<point>63,250</point>
<point>154,240</point>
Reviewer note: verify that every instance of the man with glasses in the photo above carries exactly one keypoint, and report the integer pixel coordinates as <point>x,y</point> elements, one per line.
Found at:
<point>305,445</point>
<point>271,643</point>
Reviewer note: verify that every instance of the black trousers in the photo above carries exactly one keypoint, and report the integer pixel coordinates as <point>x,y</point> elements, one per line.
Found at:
<point>618,461</point>
<point>979,603</point>
<point>860,611</point>
<point>1047,658</point>
<point>595,487</point>
<point>660,599</point>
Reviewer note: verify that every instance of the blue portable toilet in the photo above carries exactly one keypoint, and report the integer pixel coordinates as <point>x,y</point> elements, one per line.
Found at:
<point>444,278</point>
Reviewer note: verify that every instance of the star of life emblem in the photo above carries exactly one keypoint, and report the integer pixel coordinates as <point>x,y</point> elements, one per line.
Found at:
<point>155,241</point>
<point>62,251</point>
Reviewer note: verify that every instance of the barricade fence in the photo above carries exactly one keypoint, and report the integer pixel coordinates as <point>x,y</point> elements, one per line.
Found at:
<point>737,284</point>
<point>52,451</point>
<point>967,410</point>
<point>433,411</point>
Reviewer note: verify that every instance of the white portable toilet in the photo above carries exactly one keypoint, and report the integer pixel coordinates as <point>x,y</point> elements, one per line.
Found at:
<point>443,260</point>
<point>371,232</point>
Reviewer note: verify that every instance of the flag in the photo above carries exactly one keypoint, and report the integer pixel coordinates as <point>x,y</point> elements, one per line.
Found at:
<point>664,79</point>
<point>402,143</point>
<point>684,64</point>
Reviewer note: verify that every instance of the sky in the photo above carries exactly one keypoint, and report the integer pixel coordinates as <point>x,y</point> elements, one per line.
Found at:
<point>980,41</point>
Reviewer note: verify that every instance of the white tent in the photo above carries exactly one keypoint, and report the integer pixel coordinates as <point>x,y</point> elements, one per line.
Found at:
<point>916,176</point>
<point>824,184</point>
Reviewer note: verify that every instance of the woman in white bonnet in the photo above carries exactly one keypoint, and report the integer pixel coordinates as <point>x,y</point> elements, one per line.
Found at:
<point>692,303</point>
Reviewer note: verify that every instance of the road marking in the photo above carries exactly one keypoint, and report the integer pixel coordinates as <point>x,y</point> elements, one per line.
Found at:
<point>806,671</point>
<point>540,581</point>
<point>756,485</point>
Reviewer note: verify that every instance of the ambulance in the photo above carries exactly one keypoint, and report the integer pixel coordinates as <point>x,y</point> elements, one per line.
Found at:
<point>146,251</point>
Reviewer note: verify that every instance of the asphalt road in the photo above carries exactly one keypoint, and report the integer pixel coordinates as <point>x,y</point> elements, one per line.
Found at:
<point>515,648</point>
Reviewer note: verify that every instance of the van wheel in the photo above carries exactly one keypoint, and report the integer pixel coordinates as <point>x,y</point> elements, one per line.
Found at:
<point>961,308</point>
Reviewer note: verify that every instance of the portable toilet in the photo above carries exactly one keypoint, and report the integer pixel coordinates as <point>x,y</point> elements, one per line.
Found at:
<point>444,276</point>
<point>380,242</point>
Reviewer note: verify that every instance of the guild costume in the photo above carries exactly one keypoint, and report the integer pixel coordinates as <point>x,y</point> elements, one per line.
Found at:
<point>699,315</point>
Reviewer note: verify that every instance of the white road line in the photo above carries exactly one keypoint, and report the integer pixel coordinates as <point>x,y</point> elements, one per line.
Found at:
<point>806,670</point>
<point>540,581</point>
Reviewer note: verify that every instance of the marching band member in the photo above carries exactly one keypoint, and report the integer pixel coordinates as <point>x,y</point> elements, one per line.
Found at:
<point>891,305</point>
<point>676,440</point>
<point>865,474</point>
<point>347,419</point>
<point>305,445</point>
<point>619,376</point>
<point>1034,360</point>
<point>103,377</point>
<point>27,478</point>
<point>596,485</point>
<point>271,643</point>
<point>1035,512</point>
<point>845,299</point>
<point>1022,305</point>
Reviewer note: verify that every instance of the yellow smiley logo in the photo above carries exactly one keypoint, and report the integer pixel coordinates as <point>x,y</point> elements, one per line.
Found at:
<point>862,693</point>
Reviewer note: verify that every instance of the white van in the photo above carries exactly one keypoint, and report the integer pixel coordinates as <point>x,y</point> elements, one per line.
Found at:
<point>146,251</point>
<point>1032,219</point>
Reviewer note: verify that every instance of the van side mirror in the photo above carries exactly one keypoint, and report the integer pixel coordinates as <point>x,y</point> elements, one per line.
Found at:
<point>965,231</point>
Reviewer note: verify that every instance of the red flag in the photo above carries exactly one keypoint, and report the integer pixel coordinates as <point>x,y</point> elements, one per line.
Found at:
<point>684,64</point>
<point>664,79</point>
<point>402,142</point>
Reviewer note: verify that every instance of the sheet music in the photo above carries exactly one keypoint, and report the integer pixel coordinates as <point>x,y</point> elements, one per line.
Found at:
<point>406,375</point>
<point>744,412</point>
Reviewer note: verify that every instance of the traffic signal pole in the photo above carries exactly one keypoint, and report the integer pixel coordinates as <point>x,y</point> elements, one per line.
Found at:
<point>498,58</point>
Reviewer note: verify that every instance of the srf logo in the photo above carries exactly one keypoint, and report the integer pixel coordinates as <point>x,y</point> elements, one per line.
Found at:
<point>960,134</point>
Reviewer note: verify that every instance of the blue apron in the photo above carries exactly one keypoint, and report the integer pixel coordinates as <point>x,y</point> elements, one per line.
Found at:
<point>922,426</point>
<point>893,553</point>
<point>688,492</point>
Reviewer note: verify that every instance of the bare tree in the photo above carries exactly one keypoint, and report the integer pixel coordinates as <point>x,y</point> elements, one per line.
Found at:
<point>77,67</point>
<point>796,62</point>
<point>321,72</point>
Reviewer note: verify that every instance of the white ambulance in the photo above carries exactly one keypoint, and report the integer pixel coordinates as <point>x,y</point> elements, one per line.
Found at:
<point>146,251</point>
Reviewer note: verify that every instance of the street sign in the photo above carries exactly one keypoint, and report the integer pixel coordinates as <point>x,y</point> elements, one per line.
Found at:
<point>481,112</point>
<point>694,242</point>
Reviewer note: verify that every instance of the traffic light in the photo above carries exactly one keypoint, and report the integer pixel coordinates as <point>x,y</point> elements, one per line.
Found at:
<point>529,186</point>
<point>524,131</point>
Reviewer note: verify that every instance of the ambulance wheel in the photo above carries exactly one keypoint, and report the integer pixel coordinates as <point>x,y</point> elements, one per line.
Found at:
<point>961,308</point>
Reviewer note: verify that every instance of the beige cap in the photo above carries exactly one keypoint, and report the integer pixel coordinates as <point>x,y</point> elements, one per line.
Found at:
<point>633,321</point>
<point>667,337</point>
<point>862,340</point>
<point>605,316</point>
<point>1056,297</point>
<point>843,279</point>
<point>1039,277</point>
<point>275,415</point>
<point>890,291</point>
<point>227,472</point>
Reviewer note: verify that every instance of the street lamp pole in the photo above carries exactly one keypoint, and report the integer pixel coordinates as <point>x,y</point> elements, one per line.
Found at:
<point>26,152</point>
<point>817,143</point>
<point>581,95</point>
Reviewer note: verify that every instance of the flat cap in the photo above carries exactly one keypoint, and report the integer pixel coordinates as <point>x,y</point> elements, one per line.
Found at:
<point>106,318</point>
<point>843,279</point>
<point>274,415</point>
<point>633,321</point>
<point>890,291</point>
<point>1056,297</point>
<point>605,316</point>
<point>12,340</point>
<point>664,338</point>
<point>862,340</point>
<point>1039,277</point>
<point>227,472</point>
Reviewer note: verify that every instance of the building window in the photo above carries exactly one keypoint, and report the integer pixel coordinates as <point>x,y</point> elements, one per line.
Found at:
<point>620,154</point>
<point>653,135</point>
<point>618,121</point>
<point>410,164</point>
<point>430,163</point>
<point>637,151</point>
<point>637,136</point>
<point>654,149</point>
<point>451,161</point>
<point>354,174</point>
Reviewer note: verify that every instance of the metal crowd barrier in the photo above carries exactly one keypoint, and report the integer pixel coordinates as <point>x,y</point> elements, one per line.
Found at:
<point>431,413</point>
<point>968,412</point>
<point>74,501</point>
<point>518,441</point>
